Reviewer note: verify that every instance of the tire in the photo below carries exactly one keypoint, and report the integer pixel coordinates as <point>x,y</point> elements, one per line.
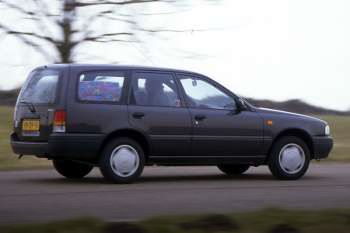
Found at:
<point>289,158</point>
<point>122,161</point>
<point>71,169</point>
<point>233,169</point>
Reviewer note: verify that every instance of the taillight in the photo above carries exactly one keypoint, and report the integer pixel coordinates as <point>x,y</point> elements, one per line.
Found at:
<point>59,121</point>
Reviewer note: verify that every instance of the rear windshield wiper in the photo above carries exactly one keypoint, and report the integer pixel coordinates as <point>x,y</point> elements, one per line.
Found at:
<point>29,105</point>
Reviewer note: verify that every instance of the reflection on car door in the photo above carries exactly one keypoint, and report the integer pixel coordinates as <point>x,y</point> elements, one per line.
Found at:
<point>219,129</point>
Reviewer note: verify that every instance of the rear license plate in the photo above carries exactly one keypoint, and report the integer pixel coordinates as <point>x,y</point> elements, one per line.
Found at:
<point>30,127</point>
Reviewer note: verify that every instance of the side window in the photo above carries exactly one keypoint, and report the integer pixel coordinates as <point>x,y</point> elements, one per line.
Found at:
<point>101,86</point>
<point>201,94</point>
<point>154,89</point>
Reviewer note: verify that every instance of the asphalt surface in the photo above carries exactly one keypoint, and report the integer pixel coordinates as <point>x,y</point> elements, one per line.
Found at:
<point>38,196</point>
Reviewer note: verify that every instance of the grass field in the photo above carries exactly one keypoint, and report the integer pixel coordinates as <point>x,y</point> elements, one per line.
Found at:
<point>263,221</point>
<point>340,128</point>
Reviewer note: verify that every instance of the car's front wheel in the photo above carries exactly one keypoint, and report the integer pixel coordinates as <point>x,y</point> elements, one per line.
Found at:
<point>233,169</point>
<point>289,158</point>
<point>71,169</point>
<point>122,161</point>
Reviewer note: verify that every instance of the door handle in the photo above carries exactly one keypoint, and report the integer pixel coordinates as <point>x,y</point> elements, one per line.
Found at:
<point>138,115</point>
<point>200,117</point>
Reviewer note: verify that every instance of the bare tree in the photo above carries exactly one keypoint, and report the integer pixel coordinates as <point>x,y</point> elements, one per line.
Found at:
<point>62,26</point>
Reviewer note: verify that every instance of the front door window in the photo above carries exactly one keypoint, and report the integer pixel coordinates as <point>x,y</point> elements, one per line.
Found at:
<point>201,94</point>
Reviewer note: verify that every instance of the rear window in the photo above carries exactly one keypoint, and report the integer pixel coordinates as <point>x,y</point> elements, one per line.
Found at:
<point>41,87</point>
<point>101,86</point>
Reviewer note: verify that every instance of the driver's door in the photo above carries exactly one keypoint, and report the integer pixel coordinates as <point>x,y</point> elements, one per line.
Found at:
<point>219,129</point>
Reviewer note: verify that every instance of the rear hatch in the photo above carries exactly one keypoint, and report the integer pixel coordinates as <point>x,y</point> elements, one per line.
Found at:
<point>34,110</point>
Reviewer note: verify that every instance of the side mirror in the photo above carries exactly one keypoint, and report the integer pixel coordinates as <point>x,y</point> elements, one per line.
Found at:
<point>241,105</point>
<point>234,107</point>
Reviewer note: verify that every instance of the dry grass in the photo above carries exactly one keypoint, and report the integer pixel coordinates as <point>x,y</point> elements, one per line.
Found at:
<point>340,127</point>
<point>340,130</point>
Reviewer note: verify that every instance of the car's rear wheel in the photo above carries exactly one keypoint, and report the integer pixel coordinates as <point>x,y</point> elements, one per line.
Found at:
<point>233,169</point>
<point>122,161</point>
<point>289,158</point>
<point>71,169</point>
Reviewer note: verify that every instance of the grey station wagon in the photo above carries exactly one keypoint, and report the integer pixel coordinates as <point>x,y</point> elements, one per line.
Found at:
<point>121,118</point>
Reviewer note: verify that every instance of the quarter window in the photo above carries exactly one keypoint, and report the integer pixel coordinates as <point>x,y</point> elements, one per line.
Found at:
<point>201,94</point>
<point>154,89</point>
<point>103,86</point>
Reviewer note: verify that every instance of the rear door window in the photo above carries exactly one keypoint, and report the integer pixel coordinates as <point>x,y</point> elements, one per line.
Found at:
<point>41,87</point>
<point>154,89</point>
<point>101,86</point>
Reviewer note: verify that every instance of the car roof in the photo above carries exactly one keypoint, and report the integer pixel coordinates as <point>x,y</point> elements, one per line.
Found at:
<point>110,66</point>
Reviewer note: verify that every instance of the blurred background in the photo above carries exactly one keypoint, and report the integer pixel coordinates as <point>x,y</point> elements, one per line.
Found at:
<point>292,55</point>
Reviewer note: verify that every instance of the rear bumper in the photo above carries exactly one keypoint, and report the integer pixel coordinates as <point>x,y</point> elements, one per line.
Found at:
<point>72,146</point>
<point>322,146</point>
<point>29,148</point>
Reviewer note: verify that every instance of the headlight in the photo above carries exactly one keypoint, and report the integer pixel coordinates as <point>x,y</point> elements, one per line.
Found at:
<point>327,130</point>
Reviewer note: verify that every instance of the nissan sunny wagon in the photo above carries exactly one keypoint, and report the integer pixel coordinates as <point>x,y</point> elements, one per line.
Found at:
<point>122,118</point>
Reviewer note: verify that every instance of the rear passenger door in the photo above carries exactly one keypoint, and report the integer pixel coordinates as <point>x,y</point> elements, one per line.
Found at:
<point>156,108</point>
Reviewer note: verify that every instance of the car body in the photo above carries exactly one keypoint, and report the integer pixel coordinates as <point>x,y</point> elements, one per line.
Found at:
<point>71,113</point>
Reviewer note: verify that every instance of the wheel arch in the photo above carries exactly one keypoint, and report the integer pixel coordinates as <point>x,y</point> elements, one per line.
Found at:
<point>129,133</point>
<point>296,132</point>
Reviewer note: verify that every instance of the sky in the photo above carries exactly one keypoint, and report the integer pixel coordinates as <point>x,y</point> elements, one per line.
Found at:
<point>278,50</point>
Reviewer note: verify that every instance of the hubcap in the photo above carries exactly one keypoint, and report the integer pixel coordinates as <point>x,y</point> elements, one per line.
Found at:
<point>292,158</point>
<point>124,160</point>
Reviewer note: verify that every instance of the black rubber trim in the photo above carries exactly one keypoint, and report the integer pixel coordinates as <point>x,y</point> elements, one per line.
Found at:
<point>206,160</point>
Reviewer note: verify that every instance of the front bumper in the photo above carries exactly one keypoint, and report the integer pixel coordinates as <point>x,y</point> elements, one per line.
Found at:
<point>70,146</point>
<point>322,146</point>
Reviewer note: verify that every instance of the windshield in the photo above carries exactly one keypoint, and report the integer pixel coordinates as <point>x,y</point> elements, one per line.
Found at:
<point>40,87</point>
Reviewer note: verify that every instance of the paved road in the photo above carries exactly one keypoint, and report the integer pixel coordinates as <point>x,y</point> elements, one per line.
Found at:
<point>31,196</point>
